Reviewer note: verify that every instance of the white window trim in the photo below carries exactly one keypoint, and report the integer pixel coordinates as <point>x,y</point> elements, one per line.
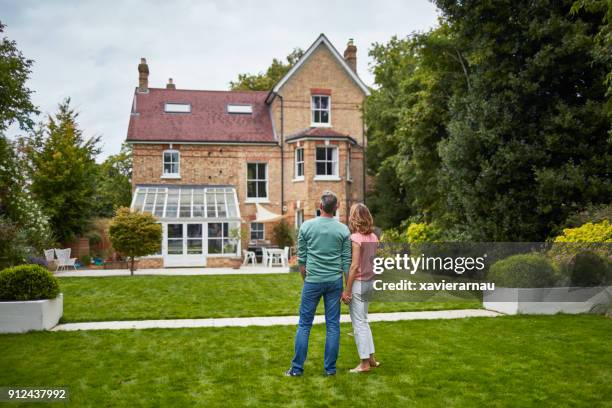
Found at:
<point>171,175</point>
<point>168,105</point>
<point>329,116</point>
<point>251,231</point>
<point>349,159</point>
<point>295,164</point>
<point>335,158</point>
<point>265,199</point>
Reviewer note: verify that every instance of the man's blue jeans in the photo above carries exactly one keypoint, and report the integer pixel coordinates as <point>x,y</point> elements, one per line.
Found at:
<point>311,294</point>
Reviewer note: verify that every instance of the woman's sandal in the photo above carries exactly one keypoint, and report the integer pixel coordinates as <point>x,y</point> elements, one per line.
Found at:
<point>375,365</point>
<point>358,370</point>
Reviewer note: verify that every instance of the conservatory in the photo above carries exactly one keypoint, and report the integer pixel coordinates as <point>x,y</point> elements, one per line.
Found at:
<point>198,221</point>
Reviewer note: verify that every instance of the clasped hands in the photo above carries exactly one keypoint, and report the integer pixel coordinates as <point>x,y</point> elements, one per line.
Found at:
<point>346,297</point>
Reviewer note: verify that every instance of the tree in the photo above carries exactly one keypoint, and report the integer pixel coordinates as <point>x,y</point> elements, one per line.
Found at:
<point>114,185</point>
<point>265,81</point>
<point>63,172</point>
<point>15,69</point>
<point>406,116</point>
<point>527,142</point>
<point>135,234</point>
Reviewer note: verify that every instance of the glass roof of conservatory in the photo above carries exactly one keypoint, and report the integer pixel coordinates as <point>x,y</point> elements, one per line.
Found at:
<point>211,202</point>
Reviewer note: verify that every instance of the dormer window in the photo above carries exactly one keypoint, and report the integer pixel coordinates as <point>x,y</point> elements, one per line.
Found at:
<point>321,110</point>
<point>240,109</point>
<point>172,167</point>
<point>170,107</point>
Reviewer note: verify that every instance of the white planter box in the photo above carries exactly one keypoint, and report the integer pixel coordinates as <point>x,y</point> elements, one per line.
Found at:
<point>571,300</point>
<point>23,316</point>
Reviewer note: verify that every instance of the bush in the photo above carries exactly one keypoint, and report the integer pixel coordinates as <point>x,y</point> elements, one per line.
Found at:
<point>523,271</point>
<point>85,260</point>
<point>589,232</point>
<point>588,269</point>
<point>282,234</point>
<point>27,282</point>
<point>419,233</point>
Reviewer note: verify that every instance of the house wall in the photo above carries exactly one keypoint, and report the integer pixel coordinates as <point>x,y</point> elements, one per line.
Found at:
<point>213,164</point>
<point>321,70</point>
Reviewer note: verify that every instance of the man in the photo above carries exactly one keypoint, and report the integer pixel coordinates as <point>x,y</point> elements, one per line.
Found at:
<point>324,253</point>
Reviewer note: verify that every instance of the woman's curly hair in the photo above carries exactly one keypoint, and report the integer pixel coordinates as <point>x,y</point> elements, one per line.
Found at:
<point>360,219</point>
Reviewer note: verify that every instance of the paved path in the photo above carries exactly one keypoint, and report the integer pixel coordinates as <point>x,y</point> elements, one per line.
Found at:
<point>267,321</point>
<point>245,270</point>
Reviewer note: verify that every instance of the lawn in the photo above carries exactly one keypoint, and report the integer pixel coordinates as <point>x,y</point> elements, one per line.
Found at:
<point>518,361</point>
<point>181,297</point>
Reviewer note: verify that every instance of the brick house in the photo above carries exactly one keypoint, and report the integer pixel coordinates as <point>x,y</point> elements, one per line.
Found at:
<point>220,168</point>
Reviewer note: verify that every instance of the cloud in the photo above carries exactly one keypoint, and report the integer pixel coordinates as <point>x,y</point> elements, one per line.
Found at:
<point>89,51</point>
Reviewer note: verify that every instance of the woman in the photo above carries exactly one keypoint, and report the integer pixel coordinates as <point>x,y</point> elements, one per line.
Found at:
<point>359,283</point>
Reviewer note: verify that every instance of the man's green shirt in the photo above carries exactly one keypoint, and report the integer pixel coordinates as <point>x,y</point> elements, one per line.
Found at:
<point>324,246</point>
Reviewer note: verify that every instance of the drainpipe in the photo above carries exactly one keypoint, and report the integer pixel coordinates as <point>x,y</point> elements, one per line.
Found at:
<point>282,148</point>
<point>363,148</point>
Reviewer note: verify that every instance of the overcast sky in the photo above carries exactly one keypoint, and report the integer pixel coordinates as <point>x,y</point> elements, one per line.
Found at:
<point>89,50</point>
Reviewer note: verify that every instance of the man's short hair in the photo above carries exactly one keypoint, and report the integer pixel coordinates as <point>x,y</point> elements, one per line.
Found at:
<point>329,201</point>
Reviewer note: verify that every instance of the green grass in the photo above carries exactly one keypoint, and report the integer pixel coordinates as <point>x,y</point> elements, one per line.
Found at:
<point>548,361</point>
<point>179,297</point>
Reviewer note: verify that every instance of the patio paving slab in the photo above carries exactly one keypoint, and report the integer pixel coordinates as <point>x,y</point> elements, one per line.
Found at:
<point>245,270</point>
<point>267,320</point>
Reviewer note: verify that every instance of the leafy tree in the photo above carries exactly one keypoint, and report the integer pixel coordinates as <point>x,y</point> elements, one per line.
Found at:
<point>265,81</point>
<point>15,103</point>
<point>114,186</point>
<point>63,172</point>
<point>135,234</point>
<point>282,234</point>
<point>528,141</point>
<point>406,116</point>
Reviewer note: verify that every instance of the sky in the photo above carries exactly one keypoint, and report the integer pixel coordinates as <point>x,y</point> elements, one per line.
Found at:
<point>89,50</point>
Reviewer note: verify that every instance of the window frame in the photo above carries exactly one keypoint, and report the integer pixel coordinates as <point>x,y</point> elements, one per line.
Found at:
<point>176,175</point>
<point>312,111</point>
<point>257,199</point>
<point>262,231</point>
<point>296,166</point>
<point>335,163</point>
<point>349,159</point>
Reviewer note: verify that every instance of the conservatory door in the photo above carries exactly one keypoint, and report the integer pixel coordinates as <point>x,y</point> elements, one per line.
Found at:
<point>185,245</point>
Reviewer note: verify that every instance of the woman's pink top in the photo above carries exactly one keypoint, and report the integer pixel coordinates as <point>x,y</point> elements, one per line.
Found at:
<point>368,244</point>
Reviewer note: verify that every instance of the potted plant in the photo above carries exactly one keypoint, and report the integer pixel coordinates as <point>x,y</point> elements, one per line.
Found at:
<point>30,299</point>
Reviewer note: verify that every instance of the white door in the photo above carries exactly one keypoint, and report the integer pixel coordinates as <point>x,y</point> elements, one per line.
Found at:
<point>185,245</point>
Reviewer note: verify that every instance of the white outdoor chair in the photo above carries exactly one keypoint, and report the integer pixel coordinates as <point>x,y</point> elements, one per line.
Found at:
<point>275,258</point>
<point>264,256</point>
<point>249,256</point>
<point>286,257</point>
<point>63,259</point>
<point>49,255</point>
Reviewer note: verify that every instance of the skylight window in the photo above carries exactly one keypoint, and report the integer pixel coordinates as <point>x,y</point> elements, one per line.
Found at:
<point>177,107</point>
<point>241,109</point>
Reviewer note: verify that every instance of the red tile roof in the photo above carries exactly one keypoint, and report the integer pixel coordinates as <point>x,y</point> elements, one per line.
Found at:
<point>207,122</point>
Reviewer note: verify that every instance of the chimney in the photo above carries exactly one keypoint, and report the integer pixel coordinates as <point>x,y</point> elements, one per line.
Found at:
<point>350,55</point>
<point>143,76</point>
<point>170,84</point>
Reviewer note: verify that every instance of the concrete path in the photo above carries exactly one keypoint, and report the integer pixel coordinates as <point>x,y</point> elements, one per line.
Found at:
<point>267,321</point>
<point>245,270</point>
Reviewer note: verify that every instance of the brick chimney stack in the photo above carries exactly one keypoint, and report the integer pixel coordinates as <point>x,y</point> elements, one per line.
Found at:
<point>143,76</point>
<point>170,84</point>
<point>350,55</point>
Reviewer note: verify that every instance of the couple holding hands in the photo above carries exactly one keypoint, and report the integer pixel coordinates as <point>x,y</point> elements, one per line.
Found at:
<point>327,250</point>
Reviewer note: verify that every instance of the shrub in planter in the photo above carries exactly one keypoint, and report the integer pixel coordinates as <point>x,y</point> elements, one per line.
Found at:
<point>85,260</point>
<point>523,271</point>
<point>589,269</point>
<point>27,282</point>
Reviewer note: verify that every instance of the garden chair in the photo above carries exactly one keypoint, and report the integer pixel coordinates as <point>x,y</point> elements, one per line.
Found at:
<point>248,256</point>
<point>49,255</point>
<point>64,260</point>
<point>285,258</point>
<point>264,256</point>
<point>275,258</point>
